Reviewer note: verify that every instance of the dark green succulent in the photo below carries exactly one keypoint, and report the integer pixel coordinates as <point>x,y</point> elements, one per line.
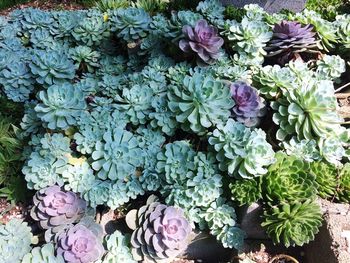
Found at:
<point>343,193</point>
<point>292,223</point>
<point>326,178</point>
<point>246,191</point>
<point>289,179</point>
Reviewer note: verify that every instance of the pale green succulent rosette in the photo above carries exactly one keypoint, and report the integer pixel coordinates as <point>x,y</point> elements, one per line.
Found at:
<point>308,112</point>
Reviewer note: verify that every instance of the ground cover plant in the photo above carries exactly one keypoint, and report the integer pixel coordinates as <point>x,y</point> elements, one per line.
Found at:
<point>176,116</point>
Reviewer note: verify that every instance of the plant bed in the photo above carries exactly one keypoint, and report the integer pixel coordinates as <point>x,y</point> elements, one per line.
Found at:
<point>145,129</point>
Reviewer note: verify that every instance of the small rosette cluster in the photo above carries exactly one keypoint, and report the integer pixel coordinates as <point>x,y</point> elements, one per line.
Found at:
<point>160,232</point>
<point>203,40</point>
<point>55,209</point>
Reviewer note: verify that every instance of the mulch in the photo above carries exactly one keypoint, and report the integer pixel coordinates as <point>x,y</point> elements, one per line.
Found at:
<point>45,5</point>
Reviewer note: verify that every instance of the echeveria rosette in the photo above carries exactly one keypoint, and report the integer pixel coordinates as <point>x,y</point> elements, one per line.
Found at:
<point>43,171</point>
<point>81,243</point>
<point>309,112</point>
<point>54,208</point>
<point>289,39</point>
<point>51,67</point>
<point>293,224</point>
<point>130,24</point>
<point>15,240</point>
<point>17,81</point>
<point>203,40</point>
<point>326,178</point>
<point>118,156</point>
<point>200,102</point>
<point>249,106</point>
<point>160,232</point>
<point>289,179</point>
<point>240,151</point>
<point>61,106</point>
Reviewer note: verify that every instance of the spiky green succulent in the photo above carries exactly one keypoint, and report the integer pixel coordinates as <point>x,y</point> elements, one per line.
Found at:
<point>343,191</point>
<point>130,23</point>
<point>200,102</point>
<point>15,240</point>
<point>61,105</point>
<point>289,179</point>
<point>246,192</point>
<point>309,112</point>
<point>292,224</point>
<point>240,151</point>
<point>326,178</point>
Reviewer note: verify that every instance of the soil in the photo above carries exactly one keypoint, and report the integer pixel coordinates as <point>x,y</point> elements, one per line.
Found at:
<point>45,5</point>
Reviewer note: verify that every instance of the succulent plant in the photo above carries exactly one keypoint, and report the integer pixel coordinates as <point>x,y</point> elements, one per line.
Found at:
<point>305,149</point>
<point>249,36</point>
<point>54,208</point>
<point>43,171</point>
<point>44,254</point>
<point>240,151</point>
<point>289,179</point>
<point>85,58</point>
<point>61,105</point>
<point>81,243</point>
<point>79,177</point>
<point>15,240</point>
<point>161,116</point>
<point>98,193</point>
<point>200,102</point>
<point>160,232</point>
<point>17,81</point>
<point>307,112</point>
<point>290,38</point>
<point>292,223</point>
<point>246,192</point>
<point>118,250</point>
<point>136,103</point>
<point>51,67</point>
<point>130,24</point>
<point>326,178</point>
<point>202,40</point>
<point>330,67</point>
<point>91,29</point>
<point>343,29</point>
<point>118,156</point>
<point>212,9</point>
<point>343,191</point>
<point>248,105</point>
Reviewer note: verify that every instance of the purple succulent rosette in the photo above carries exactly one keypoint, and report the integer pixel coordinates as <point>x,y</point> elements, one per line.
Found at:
<point>160,232</point>
<point>79,244</point>
<point>290,38</point>
<point>202,40</point>
<point>54,207</point>
<point>249,105</point>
